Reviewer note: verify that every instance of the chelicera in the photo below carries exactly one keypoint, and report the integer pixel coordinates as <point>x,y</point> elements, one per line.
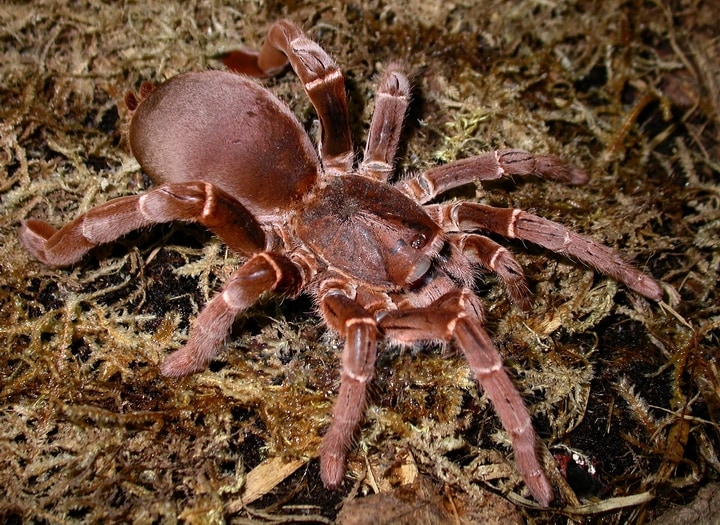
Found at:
<point>379,260</point>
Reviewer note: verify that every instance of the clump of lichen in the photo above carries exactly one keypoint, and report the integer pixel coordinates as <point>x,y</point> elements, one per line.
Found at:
<point>92,433</point>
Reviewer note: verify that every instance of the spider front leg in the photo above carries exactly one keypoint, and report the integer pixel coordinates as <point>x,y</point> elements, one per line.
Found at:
<point>359,329</point>
<point>190,201</point>
<point>490,255</point>
<point>458,315</point>
<point>515,223</point>
<point>322,79</point>
<point>264,272</point>
<point>489,166</point>
<point>391,103</point>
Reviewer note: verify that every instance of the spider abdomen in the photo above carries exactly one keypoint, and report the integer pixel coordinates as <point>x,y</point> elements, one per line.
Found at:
<point>224,129</point>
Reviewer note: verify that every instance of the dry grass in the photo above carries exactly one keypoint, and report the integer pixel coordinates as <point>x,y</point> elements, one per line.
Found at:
<point>89,430</point>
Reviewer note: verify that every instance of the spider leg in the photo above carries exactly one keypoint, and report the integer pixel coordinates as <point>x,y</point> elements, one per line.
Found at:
<point>321,76</point>
<point>391,103</point>
<point>515,223</point>
<point>191,201</point>
<point>262,273</point>
<point>490,255</point>
<point>489,166</point>
<point>359,329</point>
<point>458,315</point>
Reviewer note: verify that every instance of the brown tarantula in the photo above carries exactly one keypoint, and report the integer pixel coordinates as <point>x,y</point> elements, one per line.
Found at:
<point>379,261</point>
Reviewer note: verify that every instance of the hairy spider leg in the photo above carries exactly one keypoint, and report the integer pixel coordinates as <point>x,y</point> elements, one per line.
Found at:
<point>458,316</point>
<point>515,223</point>
<point>489,166</point>
<point>486,253</point>
<point>195,201</point>
<point>391,103</point>
<point>321,77</point>
<point>359,328</point>
<point>263,272</point>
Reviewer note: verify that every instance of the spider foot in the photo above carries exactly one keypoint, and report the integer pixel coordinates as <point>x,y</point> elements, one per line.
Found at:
<point>51,246</point>
<point>34,235</point>
<point>332,468</point>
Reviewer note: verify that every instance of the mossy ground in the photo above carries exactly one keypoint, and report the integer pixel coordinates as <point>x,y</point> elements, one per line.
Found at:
<point>90,431</point>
